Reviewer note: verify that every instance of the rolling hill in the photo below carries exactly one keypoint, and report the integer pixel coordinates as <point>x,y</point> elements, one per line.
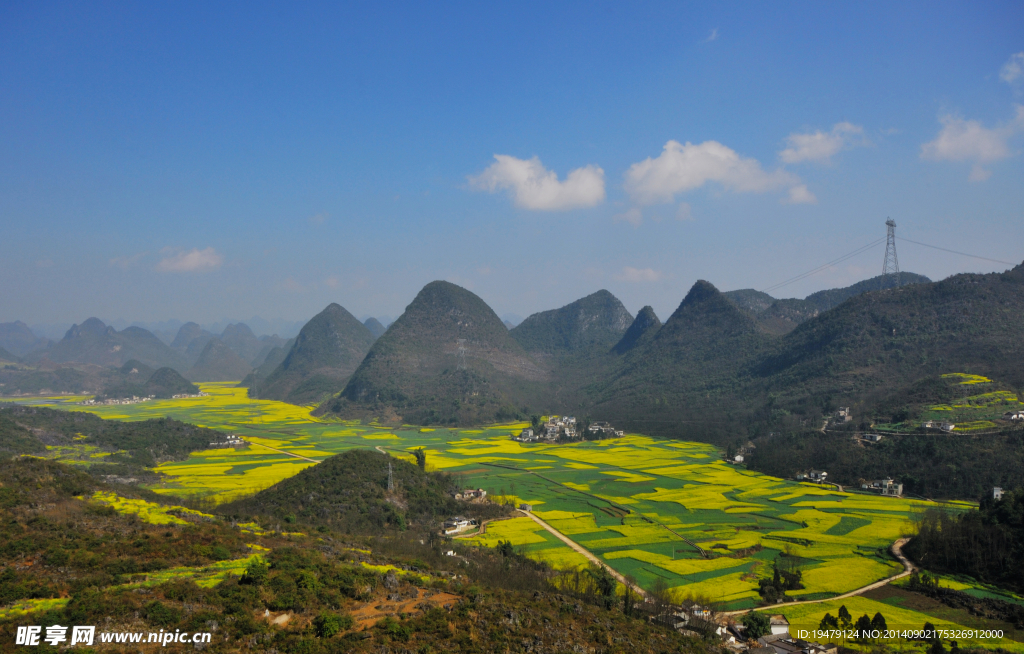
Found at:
<point>326,352</point>
<point>137,379</point>
<point>447,359</point>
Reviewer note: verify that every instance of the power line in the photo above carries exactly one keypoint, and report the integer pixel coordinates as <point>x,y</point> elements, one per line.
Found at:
<point>973,256</point>
<point>792,280</point>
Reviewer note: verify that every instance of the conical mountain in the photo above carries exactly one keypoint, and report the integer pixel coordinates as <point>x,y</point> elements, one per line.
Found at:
<point>218,362</point>
<point>187,333</point>
<point>326,352</point>
<point>681,373</point>
<point>447,359</point>
<point>594,323</point>
<point>375,327</point>
<point>94,342</point>
<point>18,339</point>
<point>242,341</point>
<point>644,327</point>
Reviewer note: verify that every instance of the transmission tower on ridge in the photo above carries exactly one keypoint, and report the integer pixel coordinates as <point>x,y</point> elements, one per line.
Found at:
<point>462,354</point>
<point>891,267</point>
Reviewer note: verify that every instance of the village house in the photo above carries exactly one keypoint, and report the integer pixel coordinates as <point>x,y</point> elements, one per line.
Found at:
<point>471,494</point>
<point>232,440</point>
<point>456,525</point>
<point>1013,415</point>
<point>817,476</point>
<point>884,487</point>
<point>997,493</point>
<point>525,436</point>
<point>873,438</point>
<point>843,415</point>
<point>603,429</point>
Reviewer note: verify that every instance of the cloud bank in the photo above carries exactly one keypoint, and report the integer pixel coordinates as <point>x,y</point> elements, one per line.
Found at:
<point>1012,71</point>
<point>531,186</point>
<point>819,146</point>
<point>194,260</point>
<point>685,167</point>
<point>969,140</point>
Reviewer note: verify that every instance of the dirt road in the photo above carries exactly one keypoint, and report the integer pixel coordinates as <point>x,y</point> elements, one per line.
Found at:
<point>585,552</point>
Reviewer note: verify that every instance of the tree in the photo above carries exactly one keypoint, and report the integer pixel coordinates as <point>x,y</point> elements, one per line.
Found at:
<point>863,627</point>
<point>256,573</point>
<point>630,598</point>
<point>757,624</point>
<point>326,625</point>
<point>845,619</point>
<point>878,623</point>
<point>828,623</point>
<point>505,548</point>
<point>421,458</point>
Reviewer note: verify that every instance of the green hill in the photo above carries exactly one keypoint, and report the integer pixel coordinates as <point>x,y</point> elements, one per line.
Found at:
<point>447,359</point>
<point>161,384</point>
<point>375,327</point>
<point>218,362</point>
<point>96,343</point>
<point>643,329</point>
<point>326,352</point>
<point>349,492</point>
<point>594,323</point>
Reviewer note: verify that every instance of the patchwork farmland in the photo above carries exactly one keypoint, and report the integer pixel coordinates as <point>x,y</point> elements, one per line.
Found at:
<point>651,509</point>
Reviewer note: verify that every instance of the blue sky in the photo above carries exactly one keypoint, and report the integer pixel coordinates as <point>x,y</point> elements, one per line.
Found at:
<point>163,161</point>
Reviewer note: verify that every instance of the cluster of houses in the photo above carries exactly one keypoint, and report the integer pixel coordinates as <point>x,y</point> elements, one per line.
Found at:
<point>603,430</point>
<point>123,400</point>
<point>1013,416</point>
<point>565,428</point>
<point>232,440</point>
<point>941,425</point>
<point>185,396</point>
<point>695,620</point>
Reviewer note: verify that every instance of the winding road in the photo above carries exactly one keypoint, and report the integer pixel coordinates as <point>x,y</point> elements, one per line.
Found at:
<point>896,549</point>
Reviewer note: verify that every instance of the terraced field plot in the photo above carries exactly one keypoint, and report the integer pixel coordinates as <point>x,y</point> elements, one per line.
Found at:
<point>647,507</point>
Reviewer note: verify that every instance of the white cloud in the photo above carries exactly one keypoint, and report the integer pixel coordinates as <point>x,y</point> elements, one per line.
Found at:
<point>633,216</point>
<point>318,219</point>
<point>801,195</point>
<point>638,275</point>
<point>712,37</point>
<point>819,146</point>
<point>534,187</point>
<point>1012,71</point>
<point>681,168</point>
<point>969,140</point>
<point>194,260</point>
<point>332,282</point>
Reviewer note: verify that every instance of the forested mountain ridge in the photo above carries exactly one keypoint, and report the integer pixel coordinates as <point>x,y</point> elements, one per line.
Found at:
<point>595,322</point>
<point>94,342</point>
<point>448,358</point>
